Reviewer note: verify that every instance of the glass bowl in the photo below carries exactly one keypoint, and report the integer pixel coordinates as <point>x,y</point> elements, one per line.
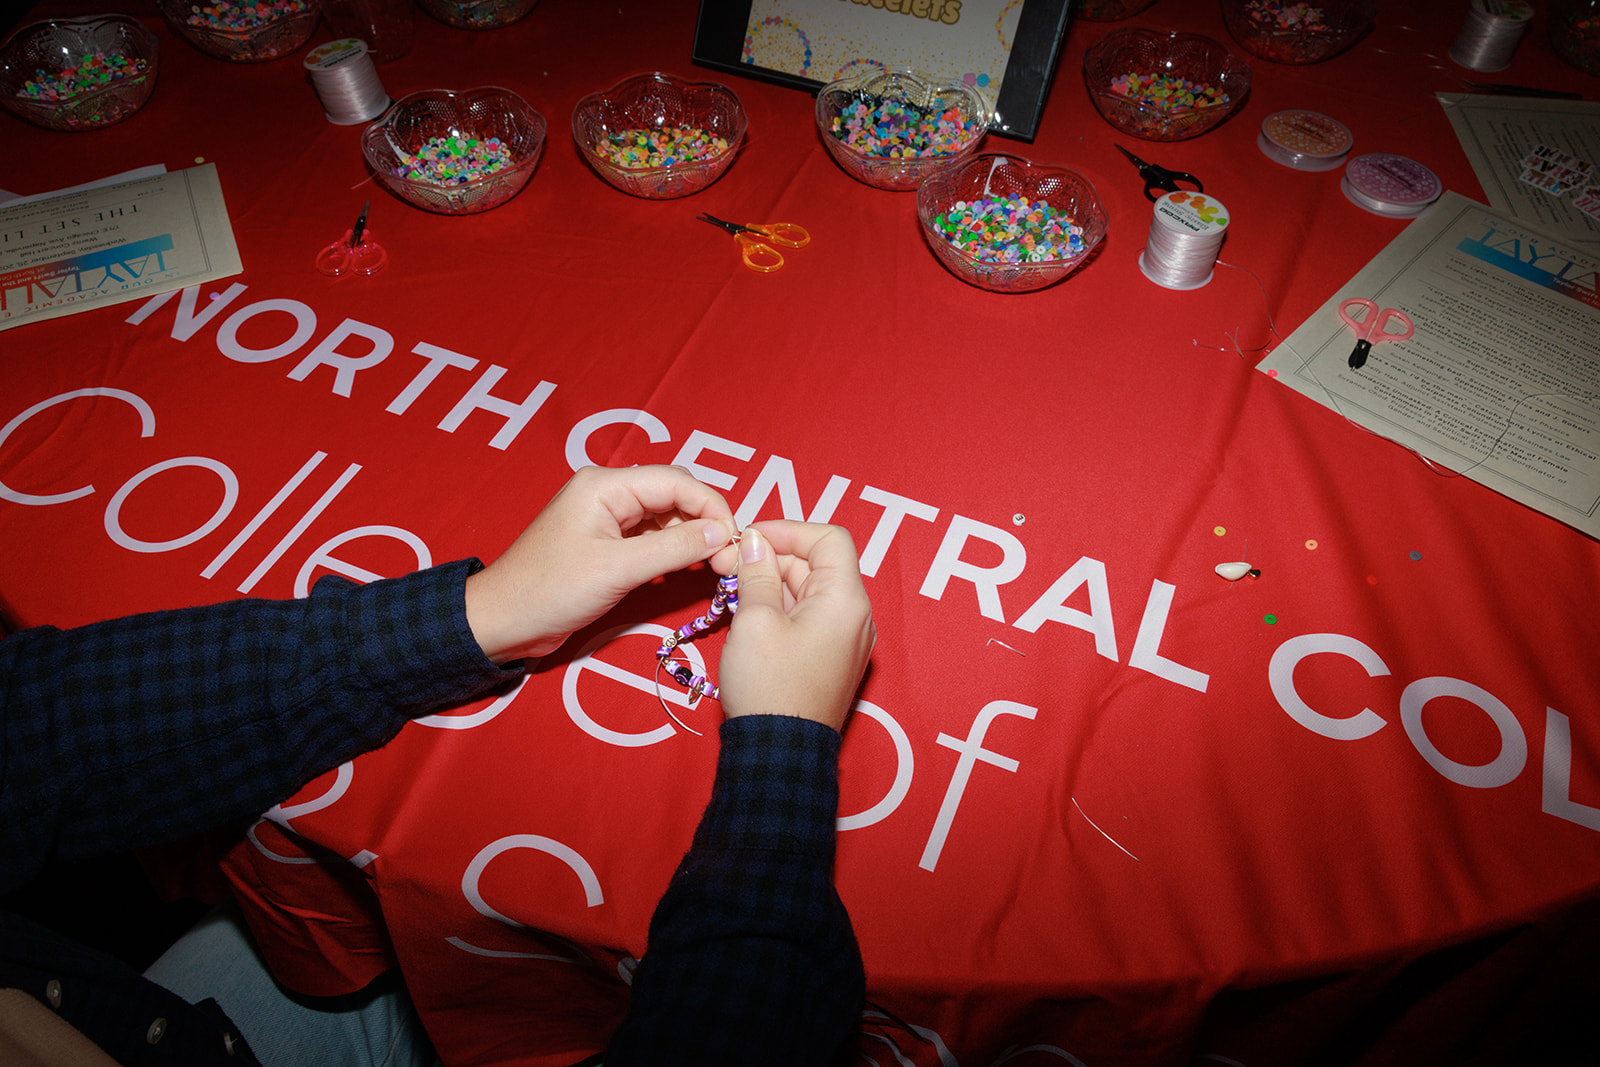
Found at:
<point>236,31</point>
<point>660,137</point>
<point>917,125</point>
<point>478,14</point>
<point>1163,86</point>
<point>434,149</point>
<point>95,71</point>
<point>1574,29</point>
<point>1300,32</point>
<point>996,256</point>
<point>1111,10</point>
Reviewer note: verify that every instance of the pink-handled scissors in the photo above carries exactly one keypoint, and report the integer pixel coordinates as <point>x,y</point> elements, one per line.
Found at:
<point>1372,327</point>
<point>355,252</point>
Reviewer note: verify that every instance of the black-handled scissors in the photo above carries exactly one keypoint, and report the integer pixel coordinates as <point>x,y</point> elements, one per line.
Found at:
<point>1156,177</point>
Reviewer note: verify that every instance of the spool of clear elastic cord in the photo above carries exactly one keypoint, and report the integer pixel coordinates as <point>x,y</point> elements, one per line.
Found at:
<point>1304,140</point>
<point>1186,231</point>
<point>346,81</point>
<point>1490,33</point>
<point>1396,187</point>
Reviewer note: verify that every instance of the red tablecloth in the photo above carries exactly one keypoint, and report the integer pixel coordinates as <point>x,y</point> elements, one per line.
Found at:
<point>1092,790</point>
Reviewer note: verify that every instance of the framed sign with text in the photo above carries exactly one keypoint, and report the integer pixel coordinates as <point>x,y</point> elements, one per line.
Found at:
<point>1006,48</point>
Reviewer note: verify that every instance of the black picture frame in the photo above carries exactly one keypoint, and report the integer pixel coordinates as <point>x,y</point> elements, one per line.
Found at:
<point>1042,26</point>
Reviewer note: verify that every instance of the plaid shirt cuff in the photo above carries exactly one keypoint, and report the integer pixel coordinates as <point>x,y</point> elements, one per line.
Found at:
<point>777,787</point>
<point>410,636</point>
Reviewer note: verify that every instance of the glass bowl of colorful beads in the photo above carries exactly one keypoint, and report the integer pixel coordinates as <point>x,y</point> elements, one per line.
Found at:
<point>1574,31</point>
<point>456,153</point>
<point>892,128</point>
<point>1162,86</point>
<point>1010,225</point>
<point>1297,32</point>
<point>477,14</point>
<point>660,137</point>
<point>243,31</point>
<point>78,74</point>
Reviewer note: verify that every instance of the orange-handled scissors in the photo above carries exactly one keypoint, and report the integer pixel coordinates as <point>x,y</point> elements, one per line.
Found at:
<point>355,252</point>
<point>756,242</point>
<point>1372,327</point>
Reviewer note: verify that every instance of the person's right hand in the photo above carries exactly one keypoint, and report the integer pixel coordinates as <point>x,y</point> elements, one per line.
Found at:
<point>803,633</point>
<point>609,530</point>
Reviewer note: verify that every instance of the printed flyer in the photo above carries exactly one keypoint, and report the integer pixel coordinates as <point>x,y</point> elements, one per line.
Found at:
<point>1500,380</point>
<point>108,244</point>
<point>1538,160</point>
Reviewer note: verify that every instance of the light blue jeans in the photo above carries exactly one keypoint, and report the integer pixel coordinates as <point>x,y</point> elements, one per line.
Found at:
<point>217,959</point>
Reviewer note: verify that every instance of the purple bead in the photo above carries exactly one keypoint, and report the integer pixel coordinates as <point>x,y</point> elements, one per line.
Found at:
<point>726,600</point>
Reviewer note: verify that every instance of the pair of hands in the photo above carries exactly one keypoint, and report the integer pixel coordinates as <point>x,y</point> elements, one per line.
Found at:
<point>803,633</point>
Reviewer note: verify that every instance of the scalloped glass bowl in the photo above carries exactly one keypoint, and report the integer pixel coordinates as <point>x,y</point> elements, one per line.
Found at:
<point>254,40</point>
<point>874,165</point>
<point>657,101</point>
<point>1297,33</point>
<point>1066,191</point>
<point>59,45</point>
<point>1573,27</point>
<point>478,14</point>
<point>1111,10</point>
<point>417,119</point>
<point>1193,57</point>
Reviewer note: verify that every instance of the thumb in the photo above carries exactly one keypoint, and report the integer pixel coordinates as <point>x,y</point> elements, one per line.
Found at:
<point>760,584</point>
<point>672,548</point>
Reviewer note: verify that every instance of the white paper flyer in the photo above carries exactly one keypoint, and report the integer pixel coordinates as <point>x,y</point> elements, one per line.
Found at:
<point>113,243</point>
<point>1501,380</point>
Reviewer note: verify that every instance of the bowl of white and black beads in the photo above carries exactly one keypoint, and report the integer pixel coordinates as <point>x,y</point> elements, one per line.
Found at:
<point>456,153</point>
<point>1010,225</point>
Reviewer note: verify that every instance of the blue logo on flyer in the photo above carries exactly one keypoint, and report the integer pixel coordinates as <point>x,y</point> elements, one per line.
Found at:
<point>1538,261</point>
<point>85,276</point>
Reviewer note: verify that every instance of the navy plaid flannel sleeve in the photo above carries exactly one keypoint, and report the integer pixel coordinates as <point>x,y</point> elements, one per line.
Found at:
<point>145,729</point>
<point>751,957</point>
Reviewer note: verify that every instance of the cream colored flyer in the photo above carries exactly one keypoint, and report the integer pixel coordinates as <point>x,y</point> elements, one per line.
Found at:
<point>1500,381</point>
<point>108,244</point>
<point>950,40</point>
<point>1538,160</point>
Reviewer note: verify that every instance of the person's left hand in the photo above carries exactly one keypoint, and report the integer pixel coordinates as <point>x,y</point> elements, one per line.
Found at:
<point>608,531</point>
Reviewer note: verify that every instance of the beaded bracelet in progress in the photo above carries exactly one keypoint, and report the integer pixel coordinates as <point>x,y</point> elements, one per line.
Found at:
<point>726,601</point>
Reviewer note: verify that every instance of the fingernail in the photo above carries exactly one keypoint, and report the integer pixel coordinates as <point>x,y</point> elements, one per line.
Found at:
<point>752,547</point>
<point>717,534</point>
